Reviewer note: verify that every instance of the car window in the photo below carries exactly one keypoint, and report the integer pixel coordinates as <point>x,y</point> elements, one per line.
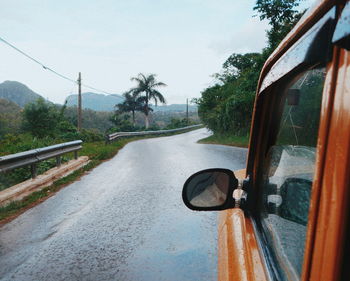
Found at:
<point>288,171</point>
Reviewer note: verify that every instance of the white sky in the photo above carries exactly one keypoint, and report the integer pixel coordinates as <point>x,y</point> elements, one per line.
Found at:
<point>182,41</point>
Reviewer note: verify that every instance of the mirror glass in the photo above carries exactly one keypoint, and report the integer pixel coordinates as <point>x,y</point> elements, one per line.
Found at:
<point>207,189</point>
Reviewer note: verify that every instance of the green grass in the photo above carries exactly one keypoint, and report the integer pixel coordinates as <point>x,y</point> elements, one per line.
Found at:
<point>96,151</point>
<point>241,141</point>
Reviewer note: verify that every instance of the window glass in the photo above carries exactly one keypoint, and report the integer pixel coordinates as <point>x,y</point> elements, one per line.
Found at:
<point>288,172</point>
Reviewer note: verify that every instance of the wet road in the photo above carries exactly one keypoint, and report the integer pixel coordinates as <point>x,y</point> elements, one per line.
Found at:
<point>125,220</point>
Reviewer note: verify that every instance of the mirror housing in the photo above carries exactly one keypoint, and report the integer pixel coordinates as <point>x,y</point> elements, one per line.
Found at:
<point>210,190</point>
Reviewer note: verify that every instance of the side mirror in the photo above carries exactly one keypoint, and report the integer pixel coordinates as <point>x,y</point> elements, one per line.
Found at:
<point>210,190</point>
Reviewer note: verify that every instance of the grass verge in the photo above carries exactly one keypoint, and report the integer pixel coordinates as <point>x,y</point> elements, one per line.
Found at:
<point>97,152</point>
<point>240,141</point>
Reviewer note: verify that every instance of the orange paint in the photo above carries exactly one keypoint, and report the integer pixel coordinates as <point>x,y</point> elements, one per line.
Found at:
<point>329,235</point>
<point>238,257</point>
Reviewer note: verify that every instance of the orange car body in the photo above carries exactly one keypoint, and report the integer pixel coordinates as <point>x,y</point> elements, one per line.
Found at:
<point>240,252</point>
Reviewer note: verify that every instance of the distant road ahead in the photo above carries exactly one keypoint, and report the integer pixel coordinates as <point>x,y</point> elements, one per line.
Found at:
<point>125,220</point>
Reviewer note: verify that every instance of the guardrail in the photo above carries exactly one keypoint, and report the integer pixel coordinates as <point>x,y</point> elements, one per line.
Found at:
<point>114,136</point>
<point>34,156</point>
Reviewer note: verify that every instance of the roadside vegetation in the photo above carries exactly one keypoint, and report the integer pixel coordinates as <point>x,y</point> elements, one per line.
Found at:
<point>232,140</point>
<point>226,107</point>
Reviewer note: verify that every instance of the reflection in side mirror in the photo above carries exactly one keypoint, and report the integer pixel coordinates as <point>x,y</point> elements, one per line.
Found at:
<point>210,190</point>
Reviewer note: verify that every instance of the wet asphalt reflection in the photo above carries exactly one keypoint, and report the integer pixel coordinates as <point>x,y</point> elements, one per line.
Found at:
<point>125,220</point>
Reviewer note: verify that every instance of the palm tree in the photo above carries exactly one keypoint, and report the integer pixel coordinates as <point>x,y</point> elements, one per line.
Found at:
<point>145,89</point>
<point>131,103</point>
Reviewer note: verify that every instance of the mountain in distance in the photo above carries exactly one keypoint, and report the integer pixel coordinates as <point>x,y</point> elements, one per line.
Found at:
<point>101,102</point>
<point>18,93</point>
<point>97,102</point>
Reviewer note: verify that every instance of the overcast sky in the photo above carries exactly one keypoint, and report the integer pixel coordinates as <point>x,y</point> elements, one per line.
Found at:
<point>182,41</point>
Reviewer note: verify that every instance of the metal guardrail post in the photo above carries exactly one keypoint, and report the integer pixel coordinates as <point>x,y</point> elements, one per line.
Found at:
<point>107,140</point>
<point>76,154</point>
<point>33,170</point>
<point>58,161</point>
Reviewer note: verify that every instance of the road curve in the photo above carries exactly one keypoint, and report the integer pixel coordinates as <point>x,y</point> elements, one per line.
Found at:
<point>125,220</point>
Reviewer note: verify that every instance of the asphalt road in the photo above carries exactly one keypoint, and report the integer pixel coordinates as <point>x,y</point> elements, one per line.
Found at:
<point>125,220</point>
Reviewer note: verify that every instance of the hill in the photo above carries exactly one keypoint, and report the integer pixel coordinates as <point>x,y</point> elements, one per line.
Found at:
<point>101,102</point>
<point>17,93</point>
<point>21,95</point>
<point>97,102</point>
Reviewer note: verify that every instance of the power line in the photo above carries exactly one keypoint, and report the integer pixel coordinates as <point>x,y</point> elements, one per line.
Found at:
<point>50,69</point>
<point>36,61</point>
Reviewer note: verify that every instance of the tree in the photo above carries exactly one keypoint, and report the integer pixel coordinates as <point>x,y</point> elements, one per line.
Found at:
<point>92,119</point>
<point>40,118</point>
<point>239,63</point>
<point>121,122</point>
<point>10,118</point>
<point>177,123</point>
<point>131,103</point>
<point>146,90</point>
<point>227,108</point>
<point>282,17</point>
<point>276,11</point>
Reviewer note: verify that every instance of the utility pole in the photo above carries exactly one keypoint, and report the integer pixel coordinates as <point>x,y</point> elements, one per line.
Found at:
<point>79,103</point>
<point>187,110</point>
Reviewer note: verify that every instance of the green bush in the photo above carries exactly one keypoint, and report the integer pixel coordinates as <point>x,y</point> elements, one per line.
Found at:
<point>40,118</point>
<point>177,123</point>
